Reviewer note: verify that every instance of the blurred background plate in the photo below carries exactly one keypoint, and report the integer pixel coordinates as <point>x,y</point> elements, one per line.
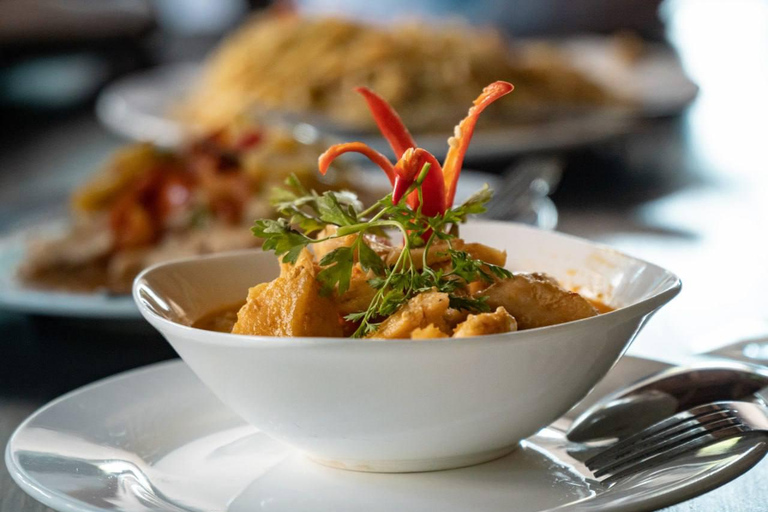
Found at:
<point>522,196</point>
<point>650,75</point>
<point>137,105</point>
<point>14,296</point>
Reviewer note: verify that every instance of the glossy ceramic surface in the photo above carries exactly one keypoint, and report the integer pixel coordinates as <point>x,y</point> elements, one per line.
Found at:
<point>404,405</point>
<point>156,439</point>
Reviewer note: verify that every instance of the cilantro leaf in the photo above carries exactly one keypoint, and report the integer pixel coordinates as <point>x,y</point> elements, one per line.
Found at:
<point>369,260</point>
<point>377,282</point>
<point>499,272</point>
<point>478,304</point>
<point>337,272</point>
<point>339,208</point>
<point>305,212</point>
<point>307,223</point>
<point>281,238</point>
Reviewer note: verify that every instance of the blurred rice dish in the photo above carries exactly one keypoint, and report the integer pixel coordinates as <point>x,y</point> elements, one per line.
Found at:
<point>309,66</point>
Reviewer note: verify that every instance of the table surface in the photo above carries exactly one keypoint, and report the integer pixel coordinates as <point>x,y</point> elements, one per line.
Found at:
<point>689,194</point>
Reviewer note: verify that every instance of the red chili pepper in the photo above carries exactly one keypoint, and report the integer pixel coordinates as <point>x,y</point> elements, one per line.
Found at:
<point>137,217</point>
<point>337,150</point>
<point>439,186</point>
<point>248,140</point>
<point>389,122</point>
<point>459,143</point>
<point>408,169</point>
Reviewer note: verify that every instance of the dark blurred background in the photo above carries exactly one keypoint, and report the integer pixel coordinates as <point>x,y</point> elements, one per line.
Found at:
<point>58,55</point>
<point>686,189</point>
<point>667,185</point>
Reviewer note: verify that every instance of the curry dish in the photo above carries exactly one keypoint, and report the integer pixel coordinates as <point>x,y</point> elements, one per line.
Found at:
<point>149,205</point>
<point>398,269</point>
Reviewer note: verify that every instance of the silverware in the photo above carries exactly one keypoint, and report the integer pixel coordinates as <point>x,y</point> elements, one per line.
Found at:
<point>522,185</point>
<point>666,393</point>
<point>684,432</point>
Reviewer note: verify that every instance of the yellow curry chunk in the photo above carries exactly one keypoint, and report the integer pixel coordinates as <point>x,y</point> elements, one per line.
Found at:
<point>425,309</point>
<point>438,254</point>
<point>359,295</point>
<point>486,323</point>
<point>485,253</point>
<point>430,331</point>
<point>291,305</point>
<point>536,300</point>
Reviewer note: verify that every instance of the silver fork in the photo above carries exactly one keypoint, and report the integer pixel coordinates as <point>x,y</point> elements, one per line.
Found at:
<point>682,433</point>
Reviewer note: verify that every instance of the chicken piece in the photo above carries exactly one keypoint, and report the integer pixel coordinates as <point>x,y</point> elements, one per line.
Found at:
<point>487,254</point>
<point>359,295</point>
<point>430,331</point>
<point>419,312</point>
<point>291,305</point>
<point>536,300</point>
<point>438,254</point>
<point>89,240</point>
<point>75,262</point>
<point>486,323</point>
<point>453,317</point>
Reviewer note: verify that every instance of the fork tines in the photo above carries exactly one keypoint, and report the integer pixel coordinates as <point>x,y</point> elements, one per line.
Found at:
<point>681,433</point>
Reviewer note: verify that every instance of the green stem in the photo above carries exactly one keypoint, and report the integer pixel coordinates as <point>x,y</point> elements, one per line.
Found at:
<point>426,249</point>
<point>377,204</point>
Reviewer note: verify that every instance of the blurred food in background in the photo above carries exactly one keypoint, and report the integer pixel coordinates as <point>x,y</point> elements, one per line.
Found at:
<point>150,204</point>
<point>293,69</point>
<point>428,72</point>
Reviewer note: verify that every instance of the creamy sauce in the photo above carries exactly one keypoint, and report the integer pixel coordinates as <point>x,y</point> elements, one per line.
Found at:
<point>601,307</point>
<point>220,319</point>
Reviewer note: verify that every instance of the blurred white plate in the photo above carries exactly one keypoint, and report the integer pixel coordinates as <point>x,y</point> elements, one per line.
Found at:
<point>15,296</point>
<point>137,106</point>
<point>156,439</point>
<point>655,80</point>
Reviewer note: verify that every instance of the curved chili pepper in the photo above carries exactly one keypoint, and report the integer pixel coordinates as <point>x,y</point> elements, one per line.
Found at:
<point>439,187</point>
<point>333,152</point>
<point>389,122</point>
<point>407,170</point>
<point>464,130</point>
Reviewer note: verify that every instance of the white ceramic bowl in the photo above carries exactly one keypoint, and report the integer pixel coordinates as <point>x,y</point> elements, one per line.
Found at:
<point>402,405</point>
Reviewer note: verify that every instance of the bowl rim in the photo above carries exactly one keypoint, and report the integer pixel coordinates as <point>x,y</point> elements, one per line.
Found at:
<point>672,287</point>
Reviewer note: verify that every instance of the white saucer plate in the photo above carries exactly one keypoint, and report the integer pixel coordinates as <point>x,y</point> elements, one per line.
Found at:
<point>155,439</point>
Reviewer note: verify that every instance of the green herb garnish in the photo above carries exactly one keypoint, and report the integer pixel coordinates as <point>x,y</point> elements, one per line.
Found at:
<point>305,213</point>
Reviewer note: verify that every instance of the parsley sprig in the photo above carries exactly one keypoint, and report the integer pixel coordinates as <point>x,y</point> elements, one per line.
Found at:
<point>305,214</point>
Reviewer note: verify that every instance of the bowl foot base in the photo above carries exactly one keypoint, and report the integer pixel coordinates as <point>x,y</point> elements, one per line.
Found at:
<point>417,465</point>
